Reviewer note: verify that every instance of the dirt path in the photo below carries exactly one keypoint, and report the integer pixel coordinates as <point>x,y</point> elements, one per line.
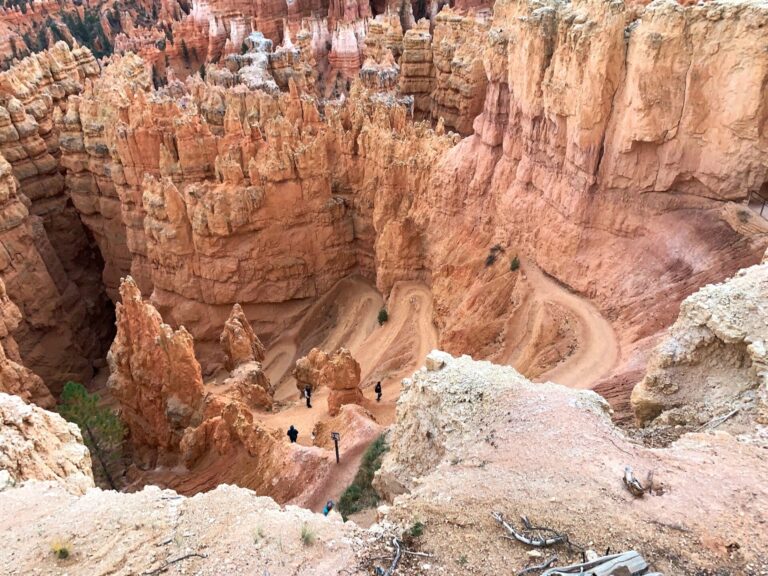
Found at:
<point>596,351</point>
<point>550,317</point>
<point>347,317</point>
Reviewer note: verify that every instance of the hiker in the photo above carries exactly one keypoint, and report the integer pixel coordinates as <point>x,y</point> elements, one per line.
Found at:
<point>328,507</point>
<point>293,434</point>
<point>377,389</point>
<point>308,395</point>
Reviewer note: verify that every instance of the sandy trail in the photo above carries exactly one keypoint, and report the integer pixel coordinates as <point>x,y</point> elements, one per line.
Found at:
<point>596,346</point>
<point>347,316</point>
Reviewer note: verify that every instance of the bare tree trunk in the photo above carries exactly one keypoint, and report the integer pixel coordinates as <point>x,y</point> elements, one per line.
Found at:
<point>100,456</point>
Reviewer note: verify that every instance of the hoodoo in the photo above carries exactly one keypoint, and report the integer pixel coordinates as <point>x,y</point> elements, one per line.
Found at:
<point>350,287</point>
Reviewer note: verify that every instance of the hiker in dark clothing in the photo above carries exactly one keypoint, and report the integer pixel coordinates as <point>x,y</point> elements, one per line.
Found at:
<point>293,434</point>
<point>308,396</point>
<point>328,507</point>
<point>377,389</point>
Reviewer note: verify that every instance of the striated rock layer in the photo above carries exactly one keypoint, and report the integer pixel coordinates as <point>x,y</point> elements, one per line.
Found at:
<point>154,376</point>
<point>338,371</point>
<point>15,378</point>
<point>609,152</point>
<point>207,183</point>
<point>49,264</point>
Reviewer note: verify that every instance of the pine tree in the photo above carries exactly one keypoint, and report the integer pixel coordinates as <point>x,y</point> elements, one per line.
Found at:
<point>184,52</point>
<point>102,430</point>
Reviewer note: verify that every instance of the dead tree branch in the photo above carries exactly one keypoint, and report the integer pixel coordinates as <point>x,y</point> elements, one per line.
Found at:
<point>396,559</point>
<point>714,423</point>
<point>168,564</point>
<point>538,567</point>
<point>424,554</point>
<point>536,536</point>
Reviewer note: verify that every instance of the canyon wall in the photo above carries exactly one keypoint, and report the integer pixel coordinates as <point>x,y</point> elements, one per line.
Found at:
<point>215,193</point>
<point>574,165</point>
<point>51,268</point>
<point>197,190</point>
<point>15,378</point>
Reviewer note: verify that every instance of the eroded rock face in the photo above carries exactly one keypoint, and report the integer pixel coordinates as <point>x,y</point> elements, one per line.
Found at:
<point>239,341</point>
<point>172,420</point>
<point>714,358</point>
<point>339,371</point>
<point>155,376</point>
<point>308,368</point>
<point>205,183</point>
<point>355,425</point>
<point>49,266</point>
<point>39,445</point>
<point>251,385</point>
<point>474,437</point>
<point>14,377</point>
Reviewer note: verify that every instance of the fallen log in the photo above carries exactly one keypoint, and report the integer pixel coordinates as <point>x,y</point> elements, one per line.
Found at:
<point>631,563</point>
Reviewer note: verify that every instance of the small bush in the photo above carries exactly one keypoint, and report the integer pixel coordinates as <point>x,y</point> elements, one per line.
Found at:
<point>416,530</point>
<point>60,550</point>
<point>493,254</point>
<point>514,264</point>
<point>307,535</point>
<point>743,216</point>
<point>258,535</point>
<point>383,316</point>
<point>360,495</point>
<point>462,560</point>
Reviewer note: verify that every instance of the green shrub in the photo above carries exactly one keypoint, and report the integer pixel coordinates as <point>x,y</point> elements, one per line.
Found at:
<point>360,495</point>
<point>383,316</point>
<point>60,550</point>
<point>493,253</point>
<point>307,535</point>
<point>102,430</point>
<point>514,264</point>
<point>416,530</point>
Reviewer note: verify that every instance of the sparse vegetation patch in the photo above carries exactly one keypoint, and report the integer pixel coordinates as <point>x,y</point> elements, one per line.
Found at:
<point>307,535</point>
<point>60,550</point>
<point>493,254</point>
<point>361,495</point>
